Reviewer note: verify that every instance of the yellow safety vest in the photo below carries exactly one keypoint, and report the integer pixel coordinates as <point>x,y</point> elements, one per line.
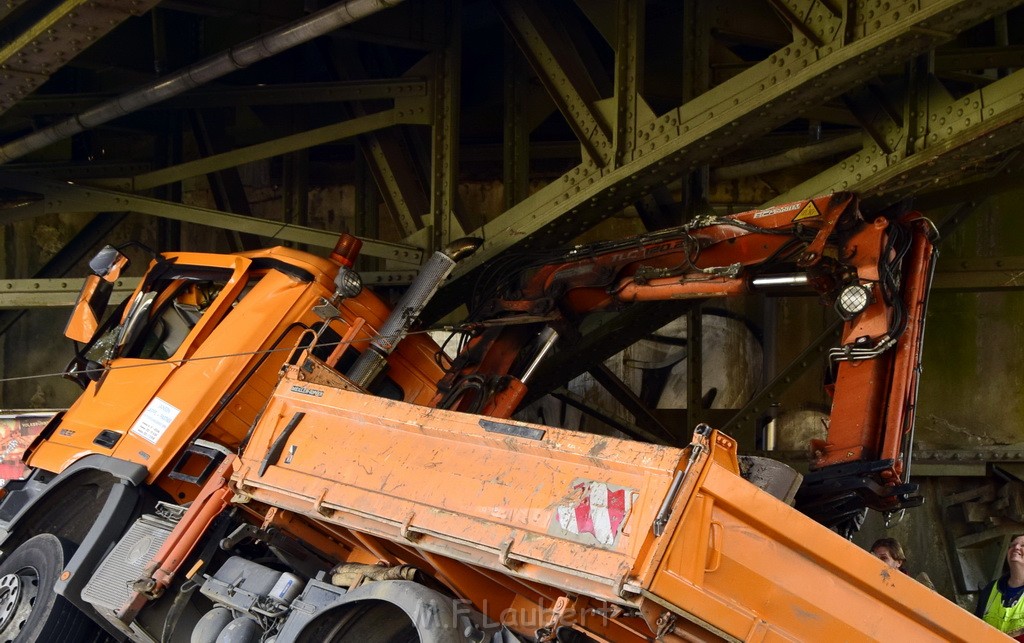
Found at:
<point>1005,619</point>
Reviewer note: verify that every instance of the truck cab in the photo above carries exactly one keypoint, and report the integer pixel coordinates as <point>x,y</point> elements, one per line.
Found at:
<point>174,378</point>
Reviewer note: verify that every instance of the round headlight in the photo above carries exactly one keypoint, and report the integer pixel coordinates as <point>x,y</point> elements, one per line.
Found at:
<point>853,299</point>
<point>347,283</point>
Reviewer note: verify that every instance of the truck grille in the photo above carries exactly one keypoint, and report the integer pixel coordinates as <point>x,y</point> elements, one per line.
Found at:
<point>110,586</point>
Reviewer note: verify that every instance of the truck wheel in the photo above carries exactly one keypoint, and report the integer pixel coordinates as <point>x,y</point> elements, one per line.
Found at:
<point>29,608</point>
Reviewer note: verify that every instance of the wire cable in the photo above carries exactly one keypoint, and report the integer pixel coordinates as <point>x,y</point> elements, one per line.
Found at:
<point>179,362</point>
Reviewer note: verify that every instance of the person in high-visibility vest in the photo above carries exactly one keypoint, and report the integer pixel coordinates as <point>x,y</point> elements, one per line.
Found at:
<point>1000,604</point>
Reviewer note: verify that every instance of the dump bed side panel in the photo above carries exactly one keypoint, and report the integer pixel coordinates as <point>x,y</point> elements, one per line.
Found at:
<point>746,563</point>
<point>569,509</point>
<point>575,513</point>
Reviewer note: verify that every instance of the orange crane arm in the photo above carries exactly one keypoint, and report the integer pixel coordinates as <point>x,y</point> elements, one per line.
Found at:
<point>876,274</point>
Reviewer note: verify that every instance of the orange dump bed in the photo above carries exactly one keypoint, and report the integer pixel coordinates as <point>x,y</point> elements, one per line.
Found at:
<point>558,512</point>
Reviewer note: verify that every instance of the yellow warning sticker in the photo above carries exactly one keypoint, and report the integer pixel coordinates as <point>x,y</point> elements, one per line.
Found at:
<point>809,212</point>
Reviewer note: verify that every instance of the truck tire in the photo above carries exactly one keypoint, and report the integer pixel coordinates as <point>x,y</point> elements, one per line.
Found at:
<point>29,608</point>
<point>365,622</point>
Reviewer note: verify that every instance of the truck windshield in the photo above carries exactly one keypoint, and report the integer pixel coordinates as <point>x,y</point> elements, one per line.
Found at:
<point>159,320</point>
<point>154,322</point>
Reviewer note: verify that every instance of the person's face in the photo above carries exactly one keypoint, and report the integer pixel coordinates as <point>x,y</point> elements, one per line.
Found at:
<point>1015,554</point>
<point>883,554</point>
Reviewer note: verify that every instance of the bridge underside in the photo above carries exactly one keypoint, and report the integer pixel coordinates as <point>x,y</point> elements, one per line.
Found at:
<point>231,124</point>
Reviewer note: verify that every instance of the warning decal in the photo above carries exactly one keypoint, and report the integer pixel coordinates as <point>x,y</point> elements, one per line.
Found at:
<point>592,511</point>
<point>809,212</point>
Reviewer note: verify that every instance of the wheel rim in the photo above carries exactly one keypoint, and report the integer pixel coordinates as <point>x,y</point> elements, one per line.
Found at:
<point>17,595</point>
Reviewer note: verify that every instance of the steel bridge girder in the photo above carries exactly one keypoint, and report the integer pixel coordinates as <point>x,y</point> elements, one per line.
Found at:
<point>749,105</point>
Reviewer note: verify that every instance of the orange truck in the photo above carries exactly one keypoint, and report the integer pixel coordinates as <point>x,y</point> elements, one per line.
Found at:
<point>265,451</point>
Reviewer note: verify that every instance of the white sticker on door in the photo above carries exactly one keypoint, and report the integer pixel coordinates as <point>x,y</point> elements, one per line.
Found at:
<point>155,420</point>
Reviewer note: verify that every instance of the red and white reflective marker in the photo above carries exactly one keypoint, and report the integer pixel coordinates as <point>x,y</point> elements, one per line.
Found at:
<point>598,509</point>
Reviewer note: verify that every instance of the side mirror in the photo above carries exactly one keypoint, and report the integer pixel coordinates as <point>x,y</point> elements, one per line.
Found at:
<point>81,371</point>
<point>95,294</point>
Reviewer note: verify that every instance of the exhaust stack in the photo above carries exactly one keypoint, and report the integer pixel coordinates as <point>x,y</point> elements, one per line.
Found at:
<point>372,361</point>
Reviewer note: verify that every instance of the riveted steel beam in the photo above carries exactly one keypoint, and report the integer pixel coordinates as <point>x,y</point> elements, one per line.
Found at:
<point>611,334</point>
<point>629,50</point>
<point>891,114</point>
<point>982,274</point>
<point>698,18</point>
<point>562,73</point>
<point>974,58</point>
<point>444,149</point>
<point>818,22</point>
<point>751,104</point>
<point>934,462</point>
<point>694,365</point>
<point>877,115</point>
<point>392,170</point>
<point>411,112</point>
<point>16,294</point>
<point>203,97</point>
<point>367,208</point>
<point>388,278</point>
<point>602,15</point>
<point>789,158</point>
<point>8,7</point>
<point>516,150</point>
<point>53,39</point>
<point>815,352</point>
<point>625,396</point>
<point>952,135</point>
<point>979,280</point>
<point>69,257</point>
<point>85,172</point>
<point>225,185</point>
<point>66,197</point>
<point>247,53</point>
<point>50,293</point>
<point>388,157</point>
<point>614,420</point>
